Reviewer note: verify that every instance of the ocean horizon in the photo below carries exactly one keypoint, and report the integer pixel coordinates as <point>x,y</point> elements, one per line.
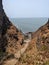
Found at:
<point>28,24</point>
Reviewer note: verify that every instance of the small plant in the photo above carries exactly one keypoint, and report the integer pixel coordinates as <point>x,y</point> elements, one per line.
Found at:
<point>44,47</point>
<point>47,63</point>
<point>43,38</point>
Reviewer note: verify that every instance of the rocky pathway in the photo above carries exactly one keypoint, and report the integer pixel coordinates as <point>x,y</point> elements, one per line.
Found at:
<point>18,54</point>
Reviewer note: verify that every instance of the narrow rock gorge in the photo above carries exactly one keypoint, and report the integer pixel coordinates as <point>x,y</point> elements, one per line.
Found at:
<point>17,48</point>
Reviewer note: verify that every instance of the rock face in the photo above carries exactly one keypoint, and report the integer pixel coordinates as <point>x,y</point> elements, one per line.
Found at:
<point>1,6</point>
<point>10,37</point>
<point>14,39</point>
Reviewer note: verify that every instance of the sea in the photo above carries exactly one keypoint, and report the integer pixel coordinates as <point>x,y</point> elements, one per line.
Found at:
<point>28,24</point>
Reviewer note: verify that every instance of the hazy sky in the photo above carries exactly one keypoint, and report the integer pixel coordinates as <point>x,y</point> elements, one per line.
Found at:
<point>26,8</point>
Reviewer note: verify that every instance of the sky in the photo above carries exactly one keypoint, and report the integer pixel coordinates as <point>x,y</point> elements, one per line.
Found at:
<point>26,8</point>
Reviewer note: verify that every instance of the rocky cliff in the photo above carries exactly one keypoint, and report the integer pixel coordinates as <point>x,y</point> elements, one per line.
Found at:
<point>11,39</point>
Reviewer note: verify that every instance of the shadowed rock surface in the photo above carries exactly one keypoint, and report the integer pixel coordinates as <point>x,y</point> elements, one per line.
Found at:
<point>10,36</point>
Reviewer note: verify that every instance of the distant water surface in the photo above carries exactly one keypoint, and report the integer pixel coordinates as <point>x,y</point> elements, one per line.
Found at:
<point>28,24</point>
